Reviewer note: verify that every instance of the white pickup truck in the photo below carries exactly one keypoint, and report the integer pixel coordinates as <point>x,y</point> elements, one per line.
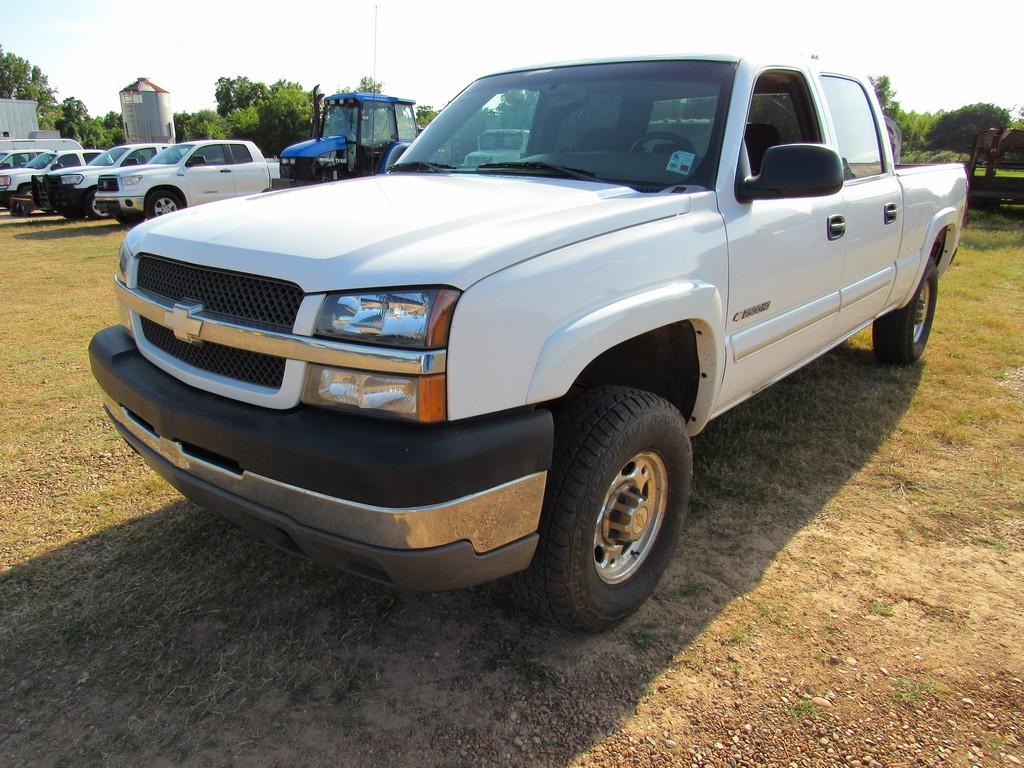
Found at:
<point>72,191</point>
<point>18,181</point>
<point>183,176</point>
<point>451,374</point>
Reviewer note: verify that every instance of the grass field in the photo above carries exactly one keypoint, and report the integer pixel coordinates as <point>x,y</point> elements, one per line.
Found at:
<point>848,593</point>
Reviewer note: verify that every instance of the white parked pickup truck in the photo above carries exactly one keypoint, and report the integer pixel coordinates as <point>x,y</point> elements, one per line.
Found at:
<point>18,181</point>
<point>183,176</point>
<point>455,373</point>
<point>72,191</point>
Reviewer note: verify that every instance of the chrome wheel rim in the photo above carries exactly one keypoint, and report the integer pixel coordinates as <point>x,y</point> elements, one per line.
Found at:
<point>630,517</point>
<point>163,205</point>
<point>96,211</point>
<point>921,311</point>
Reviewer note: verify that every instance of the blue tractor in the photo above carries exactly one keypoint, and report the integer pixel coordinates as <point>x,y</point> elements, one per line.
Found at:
<point>353,134</point>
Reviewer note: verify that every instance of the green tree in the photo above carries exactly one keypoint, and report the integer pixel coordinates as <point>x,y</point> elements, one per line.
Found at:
<point>887,96</point>
<point>283,117</point>
<point>244,123</point>
<point>234,93</point>
<point>956,130</point>
<point>425,114</point>
<point>74,119</point>
<point>114,126</point>
<point>366,85</point>
<point>204,124</point>
<point>19,79</point>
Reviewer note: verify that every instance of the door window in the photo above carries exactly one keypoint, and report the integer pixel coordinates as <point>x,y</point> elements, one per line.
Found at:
<point>213,153</point>
<point>140,156</point>
<point>856,131</point>
<point>406,122</point>
<point>67,161</point>
<point>781,112</point>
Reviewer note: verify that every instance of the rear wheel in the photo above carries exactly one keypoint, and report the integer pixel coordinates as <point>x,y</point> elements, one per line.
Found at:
<point>162,202</point>
<point>899,337</point>
<point>613,511</point>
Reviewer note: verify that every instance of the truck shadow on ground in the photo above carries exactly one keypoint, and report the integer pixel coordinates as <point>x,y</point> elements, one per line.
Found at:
<point>61,232</point>
<point>177,637</point>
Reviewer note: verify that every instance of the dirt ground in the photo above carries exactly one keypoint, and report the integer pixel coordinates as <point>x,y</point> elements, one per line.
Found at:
<point>849,591</point>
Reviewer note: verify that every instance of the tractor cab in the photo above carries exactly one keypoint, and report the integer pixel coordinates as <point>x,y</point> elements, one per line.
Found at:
<point>353,134</point>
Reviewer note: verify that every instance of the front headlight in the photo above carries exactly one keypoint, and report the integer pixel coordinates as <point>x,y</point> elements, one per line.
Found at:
<point>131,181</point>
<point>415,398</point>
<point>71,179</point>
<point>413,318</point>
<point>4,181</point>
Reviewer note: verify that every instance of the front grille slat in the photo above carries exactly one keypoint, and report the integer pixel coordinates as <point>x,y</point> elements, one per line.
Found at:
<point>246,298</point>
<point>249,300</point>
<point>240,364</point>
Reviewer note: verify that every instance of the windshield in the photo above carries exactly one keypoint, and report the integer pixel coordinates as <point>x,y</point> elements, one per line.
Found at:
<point>171,155</point>
<point>41,161</point>
<point>109,157</point>
<point>340,120</point>
<point>647,124</point>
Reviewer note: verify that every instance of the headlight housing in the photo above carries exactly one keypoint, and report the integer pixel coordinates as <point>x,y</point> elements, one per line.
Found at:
<point>131,181</point>
<point>414,398</point>
<point>415,318</point>
<point>5,181</point>
<point>123,260</point>
<point>71,179</point>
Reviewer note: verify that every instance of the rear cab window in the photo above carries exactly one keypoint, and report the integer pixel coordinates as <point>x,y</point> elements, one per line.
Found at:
<point>240,154</point>
<point>857,135</point>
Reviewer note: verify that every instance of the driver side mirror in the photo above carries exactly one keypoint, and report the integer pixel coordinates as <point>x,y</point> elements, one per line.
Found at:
<point>793,170</point>
<point>195,160</point>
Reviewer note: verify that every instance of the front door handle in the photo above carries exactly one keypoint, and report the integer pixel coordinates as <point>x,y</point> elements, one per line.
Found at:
<point>890,213</point>
<point>836,227</point>
<point>225,170</point>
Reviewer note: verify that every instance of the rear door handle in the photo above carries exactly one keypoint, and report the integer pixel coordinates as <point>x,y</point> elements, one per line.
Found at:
<point>890,213</point>
<point>225,170</point>
<point>836,227</point>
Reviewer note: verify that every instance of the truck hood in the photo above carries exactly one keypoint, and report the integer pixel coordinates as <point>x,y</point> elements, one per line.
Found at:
<point>315,147</point>
<point>399,229</point>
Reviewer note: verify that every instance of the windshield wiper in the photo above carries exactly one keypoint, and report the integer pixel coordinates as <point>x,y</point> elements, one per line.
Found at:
<point>534,165</point>
<point>419,166</point>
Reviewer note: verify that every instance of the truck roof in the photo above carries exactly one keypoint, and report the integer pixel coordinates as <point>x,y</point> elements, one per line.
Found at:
<point>370,97</point>
<point>727,58</point>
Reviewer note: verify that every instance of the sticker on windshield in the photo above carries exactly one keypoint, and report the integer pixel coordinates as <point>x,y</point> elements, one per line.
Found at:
<point>681,162</point>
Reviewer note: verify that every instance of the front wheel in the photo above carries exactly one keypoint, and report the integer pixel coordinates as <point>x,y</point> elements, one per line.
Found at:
<point>614,508</point>
<point>162,202</point>
<point>89,206</point>
<point>899,337</point>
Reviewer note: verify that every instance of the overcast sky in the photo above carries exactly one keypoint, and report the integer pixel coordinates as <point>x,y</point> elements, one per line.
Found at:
<point>938,56</point>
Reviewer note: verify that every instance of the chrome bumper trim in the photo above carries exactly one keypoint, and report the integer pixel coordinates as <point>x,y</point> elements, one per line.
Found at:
<point>488,519</point>
<point>203,327</point>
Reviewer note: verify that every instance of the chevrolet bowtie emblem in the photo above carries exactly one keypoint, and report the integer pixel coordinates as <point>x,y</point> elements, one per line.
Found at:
<point>183,321</point>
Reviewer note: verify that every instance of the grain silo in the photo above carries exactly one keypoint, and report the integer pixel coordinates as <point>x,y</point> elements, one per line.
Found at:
<point>146,112</point>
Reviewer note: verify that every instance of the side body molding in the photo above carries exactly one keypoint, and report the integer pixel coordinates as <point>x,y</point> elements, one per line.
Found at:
<point>571,348</point>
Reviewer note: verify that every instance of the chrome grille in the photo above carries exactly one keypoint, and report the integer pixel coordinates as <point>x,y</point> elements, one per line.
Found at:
<point>249,299</point>
<point>240,364</point>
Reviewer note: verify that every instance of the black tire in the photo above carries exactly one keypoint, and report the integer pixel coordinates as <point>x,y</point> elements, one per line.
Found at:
<point>596,434</point>
<point>88,206</point>
<point>899,337</point>
<point>154,202</point>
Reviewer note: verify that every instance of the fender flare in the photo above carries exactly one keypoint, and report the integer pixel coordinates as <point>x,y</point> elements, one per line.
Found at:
<point>572,347</point>
<point>945,218</point>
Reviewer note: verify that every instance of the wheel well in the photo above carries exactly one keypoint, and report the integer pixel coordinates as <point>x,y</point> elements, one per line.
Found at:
<point>165,188</point>
<point>939,246</point>
<point>663,361</point>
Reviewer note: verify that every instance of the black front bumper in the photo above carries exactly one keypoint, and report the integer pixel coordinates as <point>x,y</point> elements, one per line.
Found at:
<point>67,200</point>
<point>368,461</point>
